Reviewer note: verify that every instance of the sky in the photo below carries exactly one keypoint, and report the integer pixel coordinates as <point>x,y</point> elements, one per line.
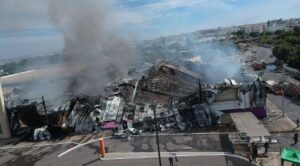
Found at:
<point>26,28</point>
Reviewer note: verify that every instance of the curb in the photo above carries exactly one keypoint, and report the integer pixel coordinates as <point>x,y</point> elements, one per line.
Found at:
<point>178,155</point>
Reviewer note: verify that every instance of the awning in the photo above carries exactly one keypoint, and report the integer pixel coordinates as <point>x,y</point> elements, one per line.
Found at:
<point>109,125</point>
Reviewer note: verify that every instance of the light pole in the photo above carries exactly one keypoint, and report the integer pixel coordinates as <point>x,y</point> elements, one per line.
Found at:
<point>156,133</point>
<point>282,97</point>
<point>282,89</point>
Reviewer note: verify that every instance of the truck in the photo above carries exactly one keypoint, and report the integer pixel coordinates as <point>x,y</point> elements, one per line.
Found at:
<point>293,87</point>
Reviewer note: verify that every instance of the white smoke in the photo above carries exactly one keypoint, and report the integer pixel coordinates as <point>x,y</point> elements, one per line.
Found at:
<point>223,59</point>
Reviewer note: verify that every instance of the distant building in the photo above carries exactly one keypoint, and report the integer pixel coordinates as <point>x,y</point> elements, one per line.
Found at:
<point>275,27</point>
<point>263,28</point>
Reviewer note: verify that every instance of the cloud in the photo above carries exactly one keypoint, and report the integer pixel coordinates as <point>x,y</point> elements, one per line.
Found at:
<point>18,15</point>
<point>17,46</point>
<point>124,17</point>
<point>147,13</point>
<point>173,4</point>
<point>259,11</point>
<point>164,17</point>
<point>154,18</point>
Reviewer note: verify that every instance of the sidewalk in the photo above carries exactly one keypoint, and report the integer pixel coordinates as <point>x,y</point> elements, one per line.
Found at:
<point>276,122</point>
<point>128,155</point>
<point>143,155</point>
<point>72,140</point>
<point>273,159</point>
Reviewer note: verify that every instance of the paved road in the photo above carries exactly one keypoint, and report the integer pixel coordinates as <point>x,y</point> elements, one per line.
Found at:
<point>88,155</point>
<point>188,142</point>
<point>292,111</point>
<point>291,107</point>
<point>183,161</point>
<point>262,53</point>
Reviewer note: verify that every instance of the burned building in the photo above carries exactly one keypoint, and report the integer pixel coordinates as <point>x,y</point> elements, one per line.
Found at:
<point>174,93</point>
<point>160,85</point>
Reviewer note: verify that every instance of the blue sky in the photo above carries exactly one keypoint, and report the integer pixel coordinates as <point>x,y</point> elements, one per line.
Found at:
<point>25,28</point>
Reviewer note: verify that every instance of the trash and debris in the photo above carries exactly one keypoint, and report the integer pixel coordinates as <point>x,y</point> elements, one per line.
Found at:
<point>41,134</point>
<point>175,93</point>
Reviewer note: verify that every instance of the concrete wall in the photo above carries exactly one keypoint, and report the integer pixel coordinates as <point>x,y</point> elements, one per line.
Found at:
<point>4,126</point>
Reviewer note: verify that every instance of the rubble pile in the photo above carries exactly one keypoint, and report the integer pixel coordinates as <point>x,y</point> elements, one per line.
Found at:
<point>170,91</point>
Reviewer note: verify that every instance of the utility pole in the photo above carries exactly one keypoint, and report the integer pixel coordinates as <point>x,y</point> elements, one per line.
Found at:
<point>156,133</point>
<point>282,97</point>
<point>45,109</point>
<point>282,89</point>
<point>200,98</point>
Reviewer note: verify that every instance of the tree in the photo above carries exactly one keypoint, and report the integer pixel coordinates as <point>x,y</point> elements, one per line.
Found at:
<point>254,34</point>
<point>269,33</point>
<point>296,31</point>
<point>239,33</point>
<point>266,40</point>
<point>281,52</point>
<point>294,61</point>
<point>278,32</point>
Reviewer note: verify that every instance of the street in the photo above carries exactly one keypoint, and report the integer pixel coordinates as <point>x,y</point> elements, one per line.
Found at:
<point>89,155</point>
<point>291,107</point>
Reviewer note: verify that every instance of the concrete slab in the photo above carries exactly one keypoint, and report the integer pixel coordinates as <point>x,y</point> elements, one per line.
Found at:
<point>273,159</point>
<point>272,109</point>
<point>188,142</point>
<point>246,122</point>
<point>281,124</point>
<point>136,155</point>
<point>276,122</point>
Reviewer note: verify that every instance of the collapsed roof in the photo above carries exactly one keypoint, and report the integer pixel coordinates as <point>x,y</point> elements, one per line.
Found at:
<point>176,93</point>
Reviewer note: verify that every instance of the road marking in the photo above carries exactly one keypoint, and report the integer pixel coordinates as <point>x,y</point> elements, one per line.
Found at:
<point>153,156</point>
<point>178,134</point>
<point>80,145</point>
<point>41,145</point>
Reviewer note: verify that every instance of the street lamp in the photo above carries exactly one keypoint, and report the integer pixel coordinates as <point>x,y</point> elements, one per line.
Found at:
<point>156,133</point>
<point>282,89</point>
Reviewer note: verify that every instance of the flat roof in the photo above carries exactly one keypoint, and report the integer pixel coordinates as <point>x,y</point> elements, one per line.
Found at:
<point>246,122</point>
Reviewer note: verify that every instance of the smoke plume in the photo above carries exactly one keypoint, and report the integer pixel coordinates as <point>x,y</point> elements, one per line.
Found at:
<point>94,52</point>
<point>222,60</point>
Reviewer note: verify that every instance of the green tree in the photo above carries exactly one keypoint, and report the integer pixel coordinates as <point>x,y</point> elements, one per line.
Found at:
<point>296,31</point>
<point>294,61</point>
<point>254,34</point>
<point>281,52</point>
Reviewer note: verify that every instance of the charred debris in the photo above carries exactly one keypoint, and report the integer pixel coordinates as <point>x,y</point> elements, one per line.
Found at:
<point>178,96</point>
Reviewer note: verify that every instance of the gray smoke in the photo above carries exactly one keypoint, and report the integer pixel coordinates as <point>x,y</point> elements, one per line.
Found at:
<point>221,60</point>
<point>94,52</point>
<point>215,60</point>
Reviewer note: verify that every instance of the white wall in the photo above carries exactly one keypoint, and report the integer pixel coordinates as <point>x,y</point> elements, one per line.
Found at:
<point>4,126</point>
